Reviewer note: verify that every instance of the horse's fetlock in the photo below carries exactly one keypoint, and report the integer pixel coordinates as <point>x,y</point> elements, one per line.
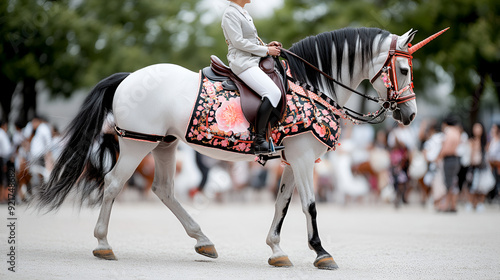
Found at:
<point>273,239</point>
<point>100,232</point>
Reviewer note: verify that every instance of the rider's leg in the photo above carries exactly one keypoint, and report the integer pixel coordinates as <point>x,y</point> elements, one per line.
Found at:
<point>263,85</point>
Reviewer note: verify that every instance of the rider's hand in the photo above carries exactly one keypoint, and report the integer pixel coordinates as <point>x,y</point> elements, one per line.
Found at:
<point>273,50</point>
<point>275,44</point>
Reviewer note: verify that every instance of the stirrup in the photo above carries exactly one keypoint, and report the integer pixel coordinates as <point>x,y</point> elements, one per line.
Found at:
<point>273,149</point>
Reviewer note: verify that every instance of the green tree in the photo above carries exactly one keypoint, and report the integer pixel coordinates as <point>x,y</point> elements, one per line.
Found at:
<point>470,53</point>
<point>73,44</point>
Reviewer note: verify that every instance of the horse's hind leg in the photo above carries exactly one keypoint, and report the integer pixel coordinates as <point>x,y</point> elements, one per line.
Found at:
<point>131,154</point>
<point>163,187</point>
<point>285,191</point>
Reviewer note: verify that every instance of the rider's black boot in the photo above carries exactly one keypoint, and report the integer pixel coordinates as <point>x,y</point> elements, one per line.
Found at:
<point>260,144</point>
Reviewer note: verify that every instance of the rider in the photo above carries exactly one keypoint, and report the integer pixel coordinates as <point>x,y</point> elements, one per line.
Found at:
<point>245,50</point>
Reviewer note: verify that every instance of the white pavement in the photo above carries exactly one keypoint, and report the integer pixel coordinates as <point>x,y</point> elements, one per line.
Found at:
<point>367,242</point>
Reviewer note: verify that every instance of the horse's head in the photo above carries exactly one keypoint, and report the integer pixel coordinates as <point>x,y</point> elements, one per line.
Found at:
<point>394,79</point>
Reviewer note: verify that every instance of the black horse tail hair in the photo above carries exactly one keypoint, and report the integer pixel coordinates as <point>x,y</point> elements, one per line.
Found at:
<point>80,167</point>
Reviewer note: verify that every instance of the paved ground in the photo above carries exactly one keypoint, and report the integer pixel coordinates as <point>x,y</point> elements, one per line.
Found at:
<point>367,242</point>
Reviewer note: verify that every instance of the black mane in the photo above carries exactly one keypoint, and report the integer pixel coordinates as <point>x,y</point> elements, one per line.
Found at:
<point>323,44</point>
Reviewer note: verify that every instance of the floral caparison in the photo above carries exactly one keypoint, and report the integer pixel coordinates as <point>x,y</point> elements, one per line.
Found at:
<point>217,120</point>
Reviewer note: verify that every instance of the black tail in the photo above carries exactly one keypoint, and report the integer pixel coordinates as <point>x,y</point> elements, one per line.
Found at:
<point>77,168</point>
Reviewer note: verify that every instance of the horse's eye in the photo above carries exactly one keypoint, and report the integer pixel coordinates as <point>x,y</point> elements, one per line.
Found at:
<point>404,71</point>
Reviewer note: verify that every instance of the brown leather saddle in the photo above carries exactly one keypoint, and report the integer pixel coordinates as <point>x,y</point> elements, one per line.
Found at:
<point>250,100</point>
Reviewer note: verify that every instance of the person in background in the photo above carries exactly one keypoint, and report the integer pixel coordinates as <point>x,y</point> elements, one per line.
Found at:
<point>18,136</point>
<point>433,179</point>
<point>430,145</point>
<point>5,156</point>
<point>451,162</point>
<point>55,148</point>
<point>493,156</point>
<point>478,163</point>
<point>380,162</point>
<point>41,141</point>
<point>401,142</point>
<point>21,141</point>
<point>464,154</point>
<point>204,169</point>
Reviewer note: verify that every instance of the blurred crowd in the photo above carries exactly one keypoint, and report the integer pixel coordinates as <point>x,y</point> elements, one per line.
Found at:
<point>440,164</point>
<point>27,153</point>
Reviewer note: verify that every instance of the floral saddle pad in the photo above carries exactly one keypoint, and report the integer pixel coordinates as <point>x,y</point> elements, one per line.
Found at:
<point>217,120</point>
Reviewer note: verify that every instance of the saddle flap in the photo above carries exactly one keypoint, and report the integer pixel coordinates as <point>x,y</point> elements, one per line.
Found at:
<point>267,64</point>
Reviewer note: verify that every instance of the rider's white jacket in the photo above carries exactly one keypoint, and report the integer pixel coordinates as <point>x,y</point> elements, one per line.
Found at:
<point>245,49</point>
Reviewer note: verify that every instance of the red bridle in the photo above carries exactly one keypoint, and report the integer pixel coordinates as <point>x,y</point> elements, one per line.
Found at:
<point>389,76</point>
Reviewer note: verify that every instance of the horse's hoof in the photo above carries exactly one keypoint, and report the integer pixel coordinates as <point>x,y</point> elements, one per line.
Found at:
<point>326,262</point>
<point>105,254</point>
<point>207,251</point>
<point>282,261</point>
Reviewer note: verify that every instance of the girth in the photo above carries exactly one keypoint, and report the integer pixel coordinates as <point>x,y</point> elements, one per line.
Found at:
<point>144,137</point>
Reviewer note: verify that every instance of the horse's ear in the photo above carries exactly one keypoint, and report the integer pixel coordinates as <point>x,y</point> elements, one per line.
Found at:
<point>406,38</point>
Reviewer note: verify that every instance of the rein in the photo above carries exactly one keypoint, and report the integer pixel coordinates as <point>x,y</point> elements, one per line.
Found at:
<point>328,76</point>
<point>389,77</point>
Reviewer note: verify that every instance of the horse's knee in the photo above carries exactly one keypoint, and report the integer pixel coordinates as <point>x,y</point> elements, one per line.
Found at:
<point>111,191</point>
<point>108,179</point>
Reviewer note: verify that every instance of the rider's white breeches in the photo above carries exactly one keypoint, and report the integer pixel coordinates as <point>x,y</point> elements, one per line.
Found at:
<point>262,84</point>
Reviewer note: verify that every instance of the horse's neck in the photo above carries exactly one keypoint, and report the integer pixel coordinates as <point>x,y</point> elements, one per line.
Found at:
<point>360,73</point>
<point>342,95</point>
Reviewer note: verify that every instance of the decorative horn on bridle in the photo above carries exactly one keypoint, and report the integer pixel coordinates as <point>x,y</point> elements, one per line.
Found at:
<point>417,46</point>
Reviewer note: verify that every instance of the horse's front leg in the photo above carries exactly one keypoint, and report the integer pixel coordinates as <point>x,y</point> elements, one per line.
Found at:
<point>285,191</point>
<point>306,191</point>
<point>302,163</point>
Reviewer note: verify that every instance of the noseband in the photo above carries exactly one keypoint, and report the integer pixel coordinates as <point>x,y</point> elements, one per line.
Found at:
<point>388,75</point>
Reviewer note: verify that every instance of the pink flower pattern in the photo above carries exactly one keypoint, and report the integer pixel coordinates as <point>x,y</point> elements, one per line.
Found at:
<point>229,116</point>
<point>319,129</point>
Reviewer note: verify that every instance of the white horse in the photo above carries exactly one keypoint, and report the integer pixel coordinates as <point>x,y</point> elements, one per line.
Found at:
<point>157,101</point>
